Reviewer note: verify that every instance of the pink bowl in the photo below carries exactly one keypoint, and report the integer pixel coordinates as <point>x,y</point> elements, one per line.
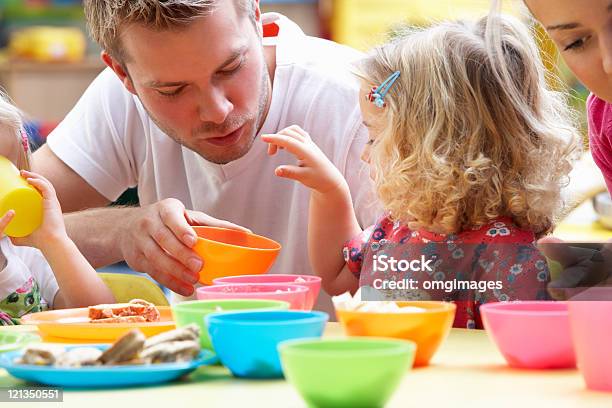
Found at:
<point>313,283</point>
<point>294,294</point>
<point>531,334</point>
<point>591,324</point>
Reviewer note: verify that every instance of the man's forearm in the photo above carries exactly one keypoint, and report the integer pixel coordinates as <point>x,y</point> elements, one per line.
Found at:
<point>98,232</point>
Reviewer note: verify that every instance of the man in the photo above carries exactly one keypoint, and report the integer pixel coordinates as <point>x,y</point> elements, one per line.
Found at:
<point>191,85</point>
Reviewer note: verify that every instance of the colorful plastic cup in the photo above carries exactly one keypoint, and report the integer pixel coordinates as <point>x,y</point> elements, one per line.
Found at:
<point>194,311</point>
<point>354,372</point>
<point>295,295</point>
<point>18,195</point>
<point>246,342</point>
<point>427,329</point>
<point>591,327</point>
<point>531,334</point>
<point>313,283</point>
<point>229,252</point>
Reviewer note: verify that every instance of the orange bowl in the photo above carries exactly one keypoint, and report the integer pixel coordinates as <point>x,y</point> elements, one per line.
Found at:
<point>229,252</point>
<point>427,329</point>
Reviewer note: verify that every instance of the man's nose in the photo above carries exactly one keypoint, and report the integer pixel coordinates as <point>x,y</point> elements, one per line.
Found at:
<point>215,107</point>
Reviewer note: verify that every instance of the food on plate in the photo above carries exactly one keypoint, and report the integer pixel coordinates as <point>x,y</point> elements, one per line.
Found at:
<point>78,357</point>
<point>41,354</point>
<point>180,345</point>
<point>126,348</point>
<point>171,351</point>
<point>189,332</point>
<point>135,311</point>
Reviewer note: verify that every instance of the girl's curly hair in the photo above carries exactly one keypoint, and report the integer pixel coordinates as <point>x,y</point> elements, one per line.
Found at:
<point>472,131</point>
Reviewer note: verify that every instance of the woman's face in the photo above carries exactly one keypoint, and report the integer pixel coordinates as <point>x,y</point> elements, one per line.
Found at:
<point>582,30</point>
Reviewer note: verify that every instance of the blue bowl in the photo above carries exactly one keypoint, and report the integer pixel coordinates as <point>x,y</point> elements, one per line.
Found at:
<point>246,342</point>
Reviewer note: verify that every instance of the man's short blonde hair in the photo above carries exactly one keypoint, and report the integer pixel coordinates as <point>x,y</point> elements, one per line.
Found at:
<point>105,18</point>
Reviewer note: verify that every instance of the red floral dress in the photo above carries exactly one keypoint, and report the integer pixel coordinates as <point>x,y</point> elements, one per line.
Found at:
<point>499,255</point>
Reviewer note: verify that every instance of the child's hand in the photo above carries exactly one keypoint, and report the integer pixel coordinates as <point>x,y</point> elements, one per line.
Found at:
<point>52,228</point>
<point>313,169</point>
<point>5,220</point>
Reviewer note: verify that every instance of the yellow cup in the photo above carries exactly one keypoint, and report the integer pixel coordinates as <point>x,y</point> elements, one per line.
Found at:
<point>16,194</point>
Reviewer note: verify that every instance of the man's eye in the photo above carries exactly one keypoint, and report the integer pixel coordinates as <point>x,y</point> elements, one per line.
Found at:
<point>576,45</point>
<point>233,69</point>
<point>174,92</point>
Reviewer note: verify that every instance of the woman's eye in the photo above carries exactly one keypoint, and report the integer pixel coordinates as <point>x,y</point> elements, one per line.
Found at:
<point>370,142</point>
<point>576,45</point>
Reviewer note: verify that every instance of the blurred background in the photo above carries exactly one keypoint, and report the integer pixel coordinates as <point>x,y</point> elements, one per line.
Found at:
<point>47,60</point>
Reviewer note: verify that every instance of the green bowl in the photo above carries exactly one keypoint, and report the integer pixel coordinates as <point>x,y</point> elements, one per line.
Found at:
<point>355,372</point>
<point>194,311</point>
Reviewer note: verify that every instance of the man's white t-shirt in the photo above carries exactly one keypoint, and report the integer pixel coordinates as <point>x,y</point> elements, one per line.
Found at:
<point>110,141</point>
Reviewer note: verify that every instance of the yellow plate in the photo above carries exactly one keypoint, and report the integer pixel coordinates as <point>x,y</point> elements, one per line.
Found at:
<point>73,324</point>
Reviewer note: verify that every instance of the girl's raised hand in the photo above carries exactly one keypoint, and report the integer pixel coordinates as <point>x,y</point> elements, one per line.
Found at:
<point>313,168</point>
<point>52,227</point>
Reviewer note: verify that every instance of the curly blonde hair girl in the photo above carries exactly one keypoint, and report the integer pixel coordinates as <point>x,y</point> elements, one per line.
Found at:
<point>472,132</point>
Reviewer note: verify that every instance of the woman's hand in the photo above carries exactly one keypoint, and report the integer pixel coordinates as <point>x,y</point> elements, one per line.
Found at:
<point>313,168</point>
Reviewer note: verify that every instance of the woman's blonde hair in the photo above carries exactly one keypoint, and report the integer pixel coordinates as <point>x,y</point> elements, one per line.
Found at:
<point>472,132</point>
<point>11,124</point>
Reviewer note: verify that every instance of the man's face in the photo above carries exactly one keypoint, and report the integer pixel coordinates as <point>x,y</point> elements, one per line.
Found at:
<point>206,85</point>
<point>582,31</point>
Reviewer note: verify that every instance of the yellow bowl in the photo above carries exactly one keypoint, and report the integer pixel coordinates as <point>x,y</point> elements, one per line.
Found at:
<point>427,329</point>
<point>227,252</point>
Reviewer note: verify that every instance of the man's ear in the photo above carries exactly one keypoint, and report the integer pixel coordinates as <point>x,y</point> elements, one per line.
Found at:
<point>119,71</point>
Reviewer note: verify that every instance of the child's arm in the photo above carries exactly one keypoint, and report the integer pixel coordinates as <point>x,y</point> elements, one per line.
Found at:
<point>332,219</point>
<point>79,284</point>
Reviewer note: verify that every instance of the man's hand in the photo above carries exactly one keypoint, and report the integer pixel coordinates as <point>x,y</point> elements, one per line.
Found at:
<point>158,239</point>
<point>313,168</point>
<point>582,267</point>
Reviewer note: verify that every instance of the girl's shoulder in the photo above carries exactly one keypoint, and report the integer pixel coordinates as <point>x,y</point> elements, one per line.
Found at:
<point>501,230</point>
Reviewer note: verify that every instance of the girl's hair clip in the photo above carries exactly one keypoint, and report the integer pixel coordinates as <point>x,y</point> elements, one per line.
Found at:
<point>24,141</point>
<point>377,94</point>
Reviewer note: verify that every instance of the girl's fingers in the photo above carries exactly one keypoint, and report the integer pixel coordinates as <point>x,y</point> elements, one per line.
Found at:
<point>41,186</point>
<point>291,172</point>
<point>292,145</point>
<point>295,132</point>
<point>272,149</point>
<point>6,219</point>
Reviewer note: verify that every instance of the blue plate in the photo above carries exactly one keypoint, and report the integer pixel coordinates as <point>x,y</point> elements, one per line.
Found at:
<point>100,376</point>
<point>14,340</point>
